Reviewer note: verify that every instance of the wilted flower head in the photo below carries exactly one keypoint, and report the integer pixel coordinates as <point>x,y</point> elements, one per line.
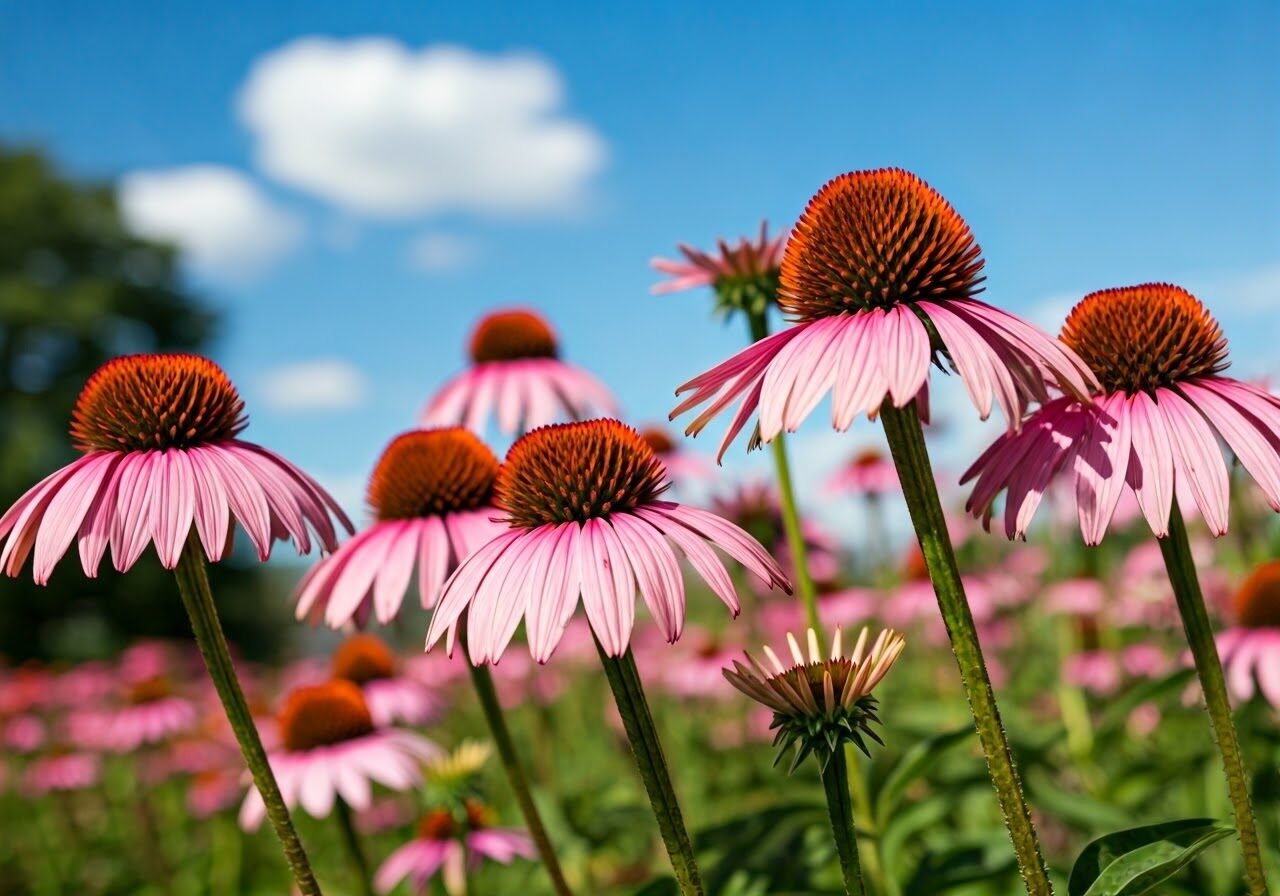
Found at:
<point>744,275</point>
<point>161,454</point>
<point>516,373</point>
<point>1152,428</point>
<point>820,701</point>
<point>879,277</point>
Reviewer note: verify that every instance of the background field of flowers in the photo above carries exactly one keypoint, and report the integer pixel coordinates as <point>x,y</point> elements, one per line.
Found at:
<point>326,203</point>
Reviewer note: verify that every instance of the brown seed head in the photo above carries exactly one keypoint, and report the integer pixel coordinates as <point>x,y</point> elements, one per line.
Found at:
<point>512,335</point>
<point>1258,600</point>
<point>363,658</point>
<point>323,714</point>
<point>431,472</point>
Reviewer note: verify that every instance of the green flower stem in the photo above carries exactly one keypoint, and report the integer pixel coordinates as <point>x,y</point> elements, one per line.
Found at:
<point>624,681</point>
<point>911,457</point>
<point>193,585</point>
<point>351,842</point>
<point>1195,622</point>
<point>865,820</point>
<point>483,682</point>
<point>835,781</point>
<point>790,513</point>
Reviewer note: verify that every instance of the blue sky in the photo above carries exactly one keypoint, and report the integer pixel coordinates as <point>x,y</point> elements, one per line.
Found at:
<point>1088,145</point>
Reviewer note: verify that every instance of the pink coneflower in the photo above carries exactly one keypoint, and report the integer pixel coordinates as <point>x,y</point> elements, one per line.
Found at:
<point>392,697</point>
<point>586,520</point>
<point>757,508</point>
<point>679,463</point>
<point>447,847</point>
<point>879,277</point>
<point>744,275</point>
<point>330,749</point>
<point>517,375</point>
<point>1251,648</point>
<point>61,772</point>
<point>430,495</point>
<point>695,671</point>
<point>152,712</point>
<point>160,454</point>
<point>1153,426</point>
<point>868,473</point>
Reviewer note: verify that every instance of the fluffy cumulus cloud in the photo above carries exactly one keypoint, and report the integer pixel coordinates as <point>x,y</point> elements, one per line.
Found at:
<point>217,216</point>
<point>323,384</point>
<point>385,130</point>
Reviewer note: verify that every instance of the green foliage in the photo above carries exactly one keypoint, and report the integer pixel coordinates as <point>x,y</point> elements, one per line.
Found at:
<point>1134,861</point>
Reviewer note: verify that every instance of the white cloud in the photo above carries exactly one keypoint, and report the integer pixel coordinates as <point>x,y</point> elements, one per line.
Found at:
<point>386,130</point>
<point>217,216</point>
<point>323,384</point>
<point>434,253</point>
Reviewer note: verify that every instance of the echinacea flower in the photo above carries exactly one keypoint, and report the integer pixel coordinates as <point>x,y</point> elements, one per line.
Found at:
<point>367,661</point>
<point>430,494</point>
<point>582,500</point>
<point>446,846</point>
<point>152,712</point>
<point>679,463</point>
<point>517,375</point>
<point>1152,428</point>
<point>1251,648</point>
<point>744,274</point>
<point>330,749</point>
<point>158,435</point>
<point>868,473</point>
<point>878,278</point>
<point>61,772</point>
<point>820,701</point>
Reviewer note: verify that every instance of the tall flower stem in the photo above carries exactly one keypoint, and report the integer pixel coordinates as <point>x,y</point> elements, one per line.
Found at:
<point>193,585</point>
<point>1195,622</point>
<point>759,324</point>
<point>865,820</point>
<point>835,781</point>
<point>351,841</point>
<point>624,681</point>
<point>911,457</point>
<point>483,682</point>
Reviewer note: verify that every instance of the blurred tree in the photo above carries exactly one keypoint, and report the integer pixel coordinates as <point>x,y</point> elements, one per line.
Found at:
<point>76,288</point>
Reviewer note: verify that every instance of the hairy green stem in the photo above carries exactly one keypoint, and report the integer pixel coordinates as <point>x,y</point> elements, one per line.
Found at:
<point>864,819</point>
<point>790,512</point>
<point>193,585</point>
<point>351,842</point>
<point>624,681</point>
<point>483,682</point>
<point>1195,622</point>
<point>911,457</point>
<point>835,781</point>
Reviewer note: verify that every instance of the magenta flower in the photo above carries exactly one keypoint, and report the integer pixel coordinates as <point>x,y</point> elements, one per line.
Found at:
<point>516,374</point>
<point>1251,648</point>
<point>879,277</point>
<point>392,697</point>
<point>430,494</point>
<point>1152,428</point>
<point>160,454</point>
<point>868,473</point>
<point>586,519</point>
<point>61,772</point>
<point>445,847</point>
<point>330,748</point>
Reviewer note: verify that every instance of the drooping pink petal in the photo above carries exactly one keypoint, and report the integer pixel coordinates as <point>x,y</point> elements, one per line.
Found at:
<point>548,617</point>
<point>66,511</point>
<point>1197,458</point>
<point>1151,468</point>
<point>700,557</point>
<point>608,586</point>
<point>463,583</point>
<point>656,572</point>
<point>397,569</point>
<point>134,505</point>
<point>1251,440</point>
<point>1101,468</point>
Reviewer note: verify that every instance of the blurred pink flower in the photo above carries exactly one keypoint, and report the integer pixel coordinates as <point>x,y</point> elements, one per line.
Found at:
<point>516,373</point>
<point>1251,647</point>
<point>444,846</point>
<point>755,507</point>
<point>745,258</point>
<point>868,472</point>
<point>61,772</point>
<point>330,748</point>
<point>392,697</point>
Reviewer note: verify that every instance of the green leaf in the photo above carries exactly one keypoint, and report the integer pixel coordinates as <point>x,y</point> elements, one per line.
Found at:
<point>1131,862</point>
<point>915,763</point>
